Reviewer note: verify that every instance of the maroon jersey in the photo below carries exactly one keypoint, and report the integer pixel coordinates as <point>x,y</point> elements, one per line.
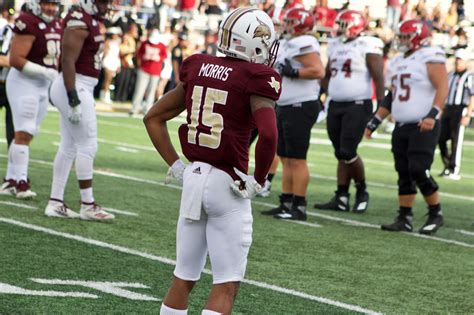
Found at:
<point>219,117</point>
<point>46,47</point>
<point>89,62</point>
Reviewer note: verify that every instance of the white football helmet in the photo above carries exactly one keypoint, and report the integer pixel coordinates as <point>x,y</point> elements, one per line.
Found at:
<point>35,8</point>
<point>248,34</point>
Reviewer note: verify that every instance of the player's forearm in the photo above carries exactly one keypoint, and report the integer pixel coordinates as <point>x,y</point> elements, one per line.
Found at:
<point>440,97</point>
<point>69,74</point>
<point>311,73</point>
<point>382,113</point>
<point>159,136</point>
<point>267,141</point>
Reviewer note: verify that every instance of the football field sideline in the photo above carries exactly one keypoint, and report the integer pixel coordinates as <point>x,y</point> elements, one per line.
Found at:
<point>172,262</point>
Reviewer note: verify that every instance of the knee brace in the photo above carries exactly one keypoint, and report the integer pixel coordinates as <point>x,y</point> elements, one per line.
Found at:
<point>406,186</point>
<point>346,156</point>
<point>425,182</point>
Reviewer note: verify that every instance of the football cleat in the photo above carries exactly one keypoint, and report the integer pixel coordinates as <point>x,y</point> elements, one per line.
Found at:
<point>265,192</point>
<point>361,203</point>
<point>93,212</point>
<point>402,223</point>
<point>59,209</point>
<point>8,187</point>
<point>295,213</point>
<point>285,205</point>
<point>432,225</point>
<point>340,202</point>
<point>23,190</point>
<point>444,172</point>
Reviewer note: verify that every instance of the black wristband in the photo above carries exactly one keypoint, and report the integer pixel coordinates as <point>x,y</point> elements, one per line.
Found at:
<point>374,123</point>
<point>433,113</point>
<point>73,98</point>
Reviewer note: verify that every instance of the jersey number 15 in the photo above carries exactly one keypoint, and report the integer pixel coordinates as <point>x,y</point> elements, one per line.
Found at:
<point>211,120</point>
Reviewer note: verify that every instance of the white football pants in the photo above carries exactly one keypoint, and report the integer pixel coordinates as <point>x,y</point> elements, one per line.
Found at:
<point>224,231</point>
<point>78,141</point>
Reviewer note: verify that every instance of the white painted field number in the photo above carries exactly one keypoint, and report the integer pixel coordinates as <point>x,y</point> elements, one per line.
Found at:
<point>114,288</point>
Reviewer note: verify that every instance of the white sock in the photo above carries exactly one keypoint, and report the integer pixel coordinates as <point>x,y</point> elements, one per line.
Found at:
<point>62,167</point>
<point>86,195</point>
<point>209,312</point>
<point>20,154</point>
<point>10,166</point>
<point>165,310</point>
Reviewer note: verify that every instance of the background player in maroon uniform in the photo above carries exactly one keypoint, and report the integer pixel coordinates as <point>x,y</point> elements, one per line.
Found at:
<point>34,60</point>
<point>72,93</point>
<point>225,98</point>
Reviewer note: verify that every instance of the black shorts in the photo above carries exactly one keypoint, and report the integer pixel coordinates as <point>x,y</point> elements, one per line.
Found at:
<point>346,122</point>
<point>412,149</point>
<point>294,124</point>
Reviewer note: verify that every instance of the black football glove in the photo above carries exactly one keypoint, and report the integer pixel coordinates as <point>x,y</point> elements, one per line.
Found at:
<point>73,98</point>
<point>288,71</point>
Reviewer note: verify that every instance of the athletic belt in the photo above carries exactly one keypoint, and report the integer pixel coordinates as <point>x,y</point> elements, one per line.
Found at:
<point>358,102</point>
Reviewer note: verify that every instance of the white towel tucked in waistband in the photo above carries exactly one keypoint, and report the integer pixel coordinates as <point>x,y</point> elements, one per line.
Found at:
<point>194,179</point>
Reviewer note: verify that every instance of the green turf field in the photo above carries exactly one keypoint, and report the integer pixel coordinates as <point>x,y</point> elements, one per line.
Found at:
<point>333,263</point>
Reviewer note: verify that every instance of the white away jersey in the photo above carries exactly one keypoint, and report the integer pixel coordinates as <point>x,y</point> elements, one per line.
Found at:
<point>350,78</point>
<point>297,90</point>
<point>412,91</point>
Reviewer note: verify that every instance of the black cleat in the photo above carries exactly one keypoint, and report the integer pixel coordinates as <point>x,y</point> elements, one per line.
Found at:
<point>361,203</point>
<point>340,202</point>
<point>296,213</point>
<point>432,225</point>
<point>285,205</point>
<point>401,224</point>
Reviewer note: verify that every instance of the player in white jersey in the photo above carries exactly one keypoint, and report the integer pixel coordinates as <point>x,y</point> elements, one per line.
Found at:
<point>297,110</point>
<point>354,61</point>
<point>418,85</point>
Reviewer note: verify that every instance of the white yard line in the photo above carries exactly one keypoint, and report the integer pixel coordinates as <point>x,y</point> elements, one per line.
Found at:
<point>132,214</point>
<point>465,232</point>
<point>328,217</point>
<point>168,261</point>
<point>19,205</point>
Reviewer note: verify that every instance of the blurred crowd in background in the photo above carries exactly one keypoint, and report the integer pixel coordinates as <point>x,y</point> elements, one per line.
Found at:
<point>175,29</point>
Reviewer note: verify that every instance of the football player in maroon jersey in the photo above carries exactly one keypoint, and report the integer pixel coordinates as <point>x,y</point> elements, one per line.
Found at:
<point>34,58</point>
<point>224,98</point>
<point>72,93</point>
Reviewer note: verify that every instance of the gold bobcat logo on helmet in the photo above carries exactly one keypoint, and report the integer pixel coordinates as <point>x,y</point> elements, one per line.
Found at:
<point>263,31</point>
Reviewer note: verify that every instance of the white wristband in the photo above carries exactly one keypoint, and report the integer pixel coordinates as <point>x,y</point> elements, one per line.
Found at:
<point>34,70</point>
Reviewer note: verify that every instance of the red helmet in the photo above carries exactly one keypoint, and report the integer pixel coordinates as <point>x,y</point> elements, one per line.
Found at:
<point>298,20</point>
<point>349,24</point>
<point>412,34</point>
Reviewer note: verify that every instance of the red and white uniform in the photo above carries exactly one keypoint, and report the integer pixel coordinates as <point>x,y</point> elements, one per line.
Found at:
<point>412,91</point>
<point>297,90</point>
<point>350,78</point>
<point>28,95</point>
<point>215,139</point>
<point>151,57</point>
